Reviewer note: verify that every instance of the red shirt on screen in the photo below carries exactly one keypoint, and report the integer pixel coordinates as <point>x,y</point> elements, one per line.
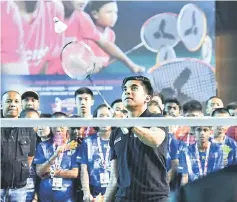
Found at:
<point>81,27</point>
<point>36,37</point>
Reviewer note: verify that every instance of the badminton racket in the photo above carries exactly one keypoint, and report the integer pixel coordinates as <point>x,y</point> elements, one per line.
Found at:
<point>78,62</point>
<point>184,78</point>
<point>158,31</point>
<point>192,26</point>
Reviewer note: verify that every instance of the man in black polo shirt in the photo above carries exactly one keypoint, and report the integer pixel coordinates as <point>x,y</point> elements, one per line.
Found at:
<point>17,151</point>
<point>138,158</point>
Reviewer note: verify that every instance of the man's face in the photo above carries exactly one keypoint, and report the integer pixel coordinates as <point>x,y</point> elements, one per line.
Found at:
<point>233,112</point>
<point>134,95</point>
<point>202,134</point>
<point>158,99</point>
<point>84,102</point>
<point>60,133</point>
<point>153,108</point>
<point>11,104</point>
<point>213,104</point>
<point>172,109</point>
<point>107,15</point>
<point>220,129</point>
<point>30,102</point>
<point>104,112</point>
<point>43,131</point>
<point>118,106</point>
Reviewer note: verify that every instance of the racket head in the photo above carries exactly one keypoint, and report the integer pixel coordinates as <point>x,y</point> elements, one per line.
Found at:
<point>192,26</point>
<point>160,30</point>
<point>166,53</point>
<point>184,78</point>
<point>207,49</point>
<point>78,60</point>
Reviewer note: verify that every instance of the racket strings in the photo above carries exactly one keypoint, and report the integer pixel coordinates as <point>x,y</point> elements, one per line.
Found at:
<point>78,60</point>
<point>186,79</point>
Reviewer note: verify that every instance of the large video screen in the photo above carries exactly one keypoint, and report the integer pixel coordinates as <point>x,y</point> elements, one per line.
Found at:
<point>171,42</point>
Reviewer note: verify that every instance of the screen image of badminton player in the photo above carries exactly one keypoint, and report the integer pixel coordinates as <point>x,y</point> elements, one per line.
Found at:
<point>28,40</point>
<point>131,17</point>
<point>99,37</point>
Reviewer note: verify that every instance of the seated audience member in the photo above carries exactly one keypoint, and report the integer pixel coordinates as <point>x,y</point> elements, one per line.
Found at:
<point>213,103</point>
<point>56,165</point>
<point>232,108</point>
<point>93,156</point>
<point>200,158</point>
<point>153,107</point>
<point>228,145</point>
<point>172,107</point>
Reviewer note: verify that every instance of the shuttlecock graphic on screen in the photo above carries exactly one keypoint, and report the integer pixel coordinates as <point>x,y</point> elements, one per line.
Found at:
<point>59,26</point>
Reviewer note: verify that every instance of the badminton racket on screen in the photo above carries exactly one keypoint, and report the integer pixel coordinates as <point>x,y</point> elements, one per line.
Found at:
<point>185,79</point>
<point>78,62</point>
<point>158,31</point>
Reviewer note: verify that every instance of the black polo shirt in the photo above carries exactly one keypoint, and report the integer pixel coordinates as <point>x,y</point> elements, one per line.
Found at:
<point>141,169</point>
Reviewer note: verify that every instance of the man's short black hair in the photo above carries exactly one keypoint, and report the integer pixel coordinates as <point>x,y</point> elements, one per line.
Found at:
<point>59,114</point>
<point>192,105</point>
<point>84,90</point>
<point>145,81</point>
<point>173,100</point>
<point>24,112</point>
<point>96,113</point>
<point>115,102</point>
<point>160,96</point>
<point>232,105</point>
<point>45,115</point>
<point>220,111</point>
<point>97,109</point>
<point>210,98</point>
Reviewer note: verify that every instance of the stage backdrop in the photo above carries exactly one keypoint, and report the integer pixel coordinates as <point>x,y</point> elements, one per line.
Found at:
<point>180,31</point>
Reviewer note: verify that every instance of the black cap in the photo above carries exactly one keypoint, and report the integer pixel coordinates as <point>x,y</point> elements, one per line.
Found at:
<point>30,94</point>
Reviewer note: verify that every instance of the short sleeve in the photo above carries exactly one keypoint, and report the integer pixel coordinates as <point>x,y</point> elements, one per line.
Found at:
<point>87,29</point>
<point>39,155</point>
<point>33,140</point>
<point>111,144</point>
<point>82,156</point>
<point>11,33</point>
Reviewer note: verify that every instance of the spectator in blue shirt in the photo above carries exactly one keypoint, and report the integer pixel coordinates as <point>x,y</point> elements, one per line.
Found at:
<point>200,158</point>
<point>227,144</point>
<point>93,156</point>
<point>56,165</point>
